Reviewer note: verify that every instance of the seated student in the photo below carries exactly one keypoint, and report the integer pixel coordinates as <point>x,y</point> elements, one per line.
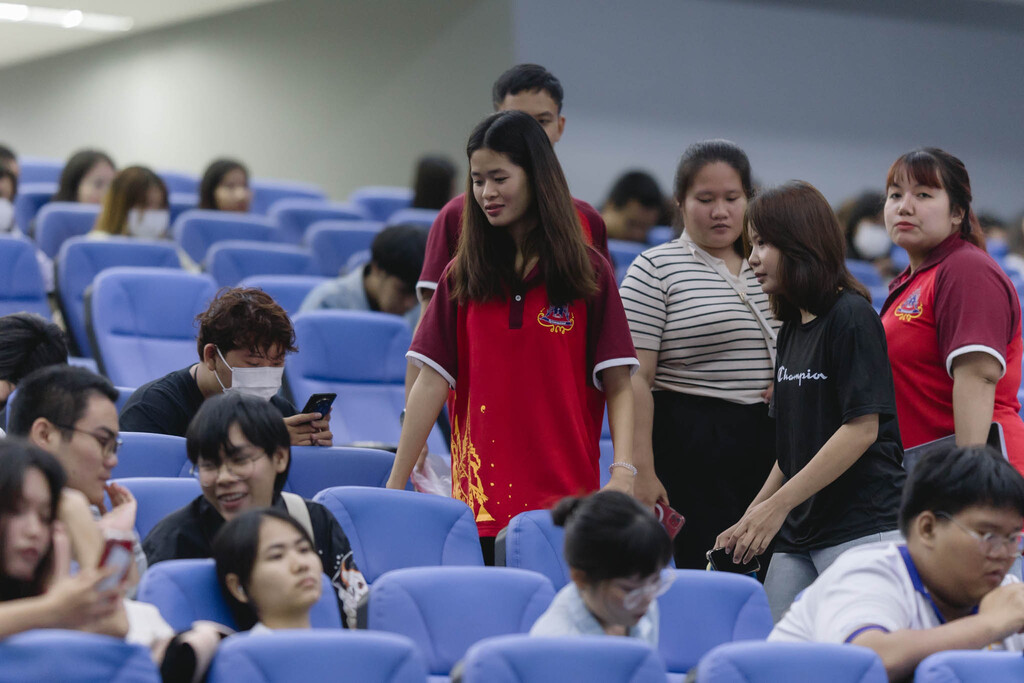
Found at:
<point>616,551</point>
<point>268,570</point>
<point>433,182</point>
<point>8,190</point>
<point>243,338</point>
<point>9,160</point>
<point>239,450</point>
<point>386,284</point>
<point>946,588</point>
<point>27,342</point>
<point>86,177</point>
<point>225,186</point>
<point>635,204</point>
<point>136,205</point>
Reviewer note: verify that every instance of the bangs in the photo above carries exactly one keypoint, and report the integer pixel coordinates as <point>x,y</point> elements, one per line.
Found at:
<point>919,167</point>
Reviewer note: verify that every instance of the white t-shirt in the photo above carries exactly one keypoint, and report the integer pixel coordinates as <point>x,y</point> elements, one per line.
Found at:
<point>870,586</point>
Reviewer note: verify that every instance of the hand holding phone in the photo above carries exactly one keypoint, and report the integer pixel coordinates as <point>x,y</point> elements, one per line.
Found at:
<point>320,403</point>
<point>117,553</point>
<point>669,518</point>
<point>721,561</point>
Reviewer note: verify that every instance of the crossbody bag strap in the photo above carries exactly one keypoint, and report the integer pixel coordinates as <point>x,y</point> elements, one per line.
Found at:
<point>298,511</point>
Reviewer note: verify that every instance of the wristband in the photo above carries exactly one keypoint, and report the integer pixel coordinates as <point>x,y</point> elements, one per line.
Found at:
<point>623,465</point>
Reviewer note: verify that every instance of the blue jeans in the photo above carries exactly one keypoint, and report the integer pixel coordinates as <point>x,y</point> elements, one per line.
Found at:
<point>791,573</point>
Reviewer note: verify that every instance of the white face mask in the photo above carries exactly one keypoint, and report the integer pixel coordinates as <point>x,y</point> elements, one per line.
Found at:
<point>872,241</point>
<point>6,216</point>
<point>260,382</point>
<point>148,224</point>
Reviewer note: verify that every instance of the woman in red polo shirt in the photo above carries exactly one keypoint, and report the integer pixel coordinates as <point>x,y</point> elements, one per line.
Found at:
<point>952,320</point>
<point>528,330</point>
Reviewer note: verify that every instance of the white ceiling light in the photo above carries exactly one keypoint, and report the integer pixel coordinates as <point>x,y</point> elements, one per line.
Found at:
<point>65,18</point>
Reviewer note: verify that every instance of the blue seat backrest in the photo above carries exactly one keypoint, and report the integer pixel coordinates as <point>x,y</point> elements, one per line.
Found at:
<point>864,272</point>
<point>970,666</point>
<point>289,291</point>
<point>80,260</point>
<point>158,497</point>
<point>57,655</point>
<point>660,234</point>
<point>391,529</point>
<point>334,242</point>
<point>759,662</point>
<point>141,321</point>
<point>58,222</point>
<point>532,541</point>
<point>266,192</point>
<point>731,607</point>
<point>623,252</point>
<point>318,656</point>
<point>197,230</point>
<point>180,202</point>
<point>447,609</point>
<point>423,218</point>
<point>380,201</point>
<point>525,659</point>
<point>231,261</point>
<point>30,198</point>
<point>21,282</point>
<point>39,170</point>
<point>180,181</point>
<point>315,468</point>
<point>294,216</point>
<point>187,590</point>
<point>150,455</point>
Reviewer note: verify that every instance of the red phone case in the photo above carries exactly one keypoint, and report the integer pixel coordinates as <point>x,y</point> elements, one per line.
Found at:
<point>669,518</point>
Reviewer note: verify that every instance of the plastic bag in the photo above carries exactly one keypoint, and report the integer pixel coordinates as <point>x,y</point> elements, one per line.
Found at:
<point>435,477</point>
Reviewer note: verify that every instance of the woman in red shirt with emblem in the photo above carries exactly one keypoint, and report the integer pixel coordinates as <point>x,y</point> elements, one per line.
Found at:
<point>528,330</point>
<point>952,320</point>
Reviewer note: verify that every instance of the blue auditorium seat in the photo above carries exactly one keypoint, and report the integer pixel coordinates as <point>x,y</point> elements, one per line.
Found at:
<point>39,170</point>
<point>360,356</point>
<point>381,201</point>
<point>532,541</point>
<point>318,656</point>
<point>315,468</point>
<point>151,455</point>
<point>187,590</point>
<point>526,659</point>
<point>180,181</point>
<point>334,242</point>
<point>180,202</point>
<point>294,216</point>
<point>900,258</point>
<point>445,610</point>
<point>197,230</point>
<point>59,221</point>
<point>74,657</point>
<point>21,283</point>
<point>266,192</point>
<point>159,497</point>
<point>231,261</point>
<point>755,662</point>
<point>123,394</point>
<point>80,260</point>
<point>141,321</point>
<point>423,218</point>
<point>289,291</point>
<point>623,252</point>
<point>30,198</point>
<point>971,666</point>
<point>864,272</point>
<point>391,529</point>
<point>731,608</point>
<point>660,234</point>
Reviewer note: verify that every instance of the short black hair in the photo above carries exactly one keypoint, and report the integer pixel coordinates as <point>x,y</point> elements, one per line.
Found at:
<point>398,250</point>
<point>526,77</point>
<point>610,535</point>
<point>234,551</point>
<point>77,166</point>
<point>29,342</point>
<point>58,393</point>
<point>639,186</point>
<point>260,421</point>
<point>952,478</point>
<point>212,176</point>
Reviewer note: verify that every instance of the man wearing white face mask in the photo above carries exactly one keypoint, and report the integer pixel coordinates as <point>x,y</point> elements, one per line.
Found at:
<point>243,338</point>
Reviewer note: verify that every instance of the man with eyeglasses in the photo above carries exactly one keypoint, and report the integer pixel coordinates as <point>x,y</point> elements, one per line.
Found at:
<point>947,587</point>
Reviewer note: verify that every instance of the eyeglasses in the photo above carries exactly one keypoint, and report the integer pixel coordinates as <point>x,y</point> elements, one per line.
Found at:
<point>990,543</point>
<point>109,444</point>
<point>241,465</point>
<point>635,597</point>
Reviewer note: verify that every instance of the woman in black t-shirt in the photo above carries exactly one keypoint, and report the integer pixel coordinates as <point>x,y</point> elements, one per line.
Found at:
<point>838,477</point>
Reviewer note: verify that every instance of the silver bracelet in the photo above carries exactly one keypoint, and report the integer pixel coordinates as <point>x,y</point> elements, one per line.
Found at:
<point>623,465</point>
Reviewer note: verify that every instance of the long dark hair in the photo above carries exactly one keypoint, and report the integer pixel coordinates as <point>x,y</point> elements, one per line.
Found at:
<point>75,169</point>
<point>935,167</point>
<point>484,266</point>
<point>699,155</point>
<point>212,176</point>
<point>797,220</point>
<point>17,457</point>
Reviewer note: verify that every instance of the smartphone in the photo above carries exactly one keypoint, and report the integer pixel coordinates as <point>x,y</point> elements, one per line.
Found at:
<point>722,562</point>
<point>116,553</point>
<point>669,518</point>
<point>319,403</point>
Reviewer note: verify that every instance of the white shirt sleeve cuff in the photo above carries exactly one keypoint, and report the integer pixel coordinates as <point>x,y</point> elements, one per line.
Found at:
<point>424,284</point>
<point>419,360</point>
<point>972,348</point>
<point>612,363</point>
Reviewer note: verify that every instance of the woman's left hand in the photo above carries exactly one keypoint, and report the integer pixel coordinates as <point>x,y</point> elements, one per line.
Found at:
<point>621,480</point>
<point>751,535</point>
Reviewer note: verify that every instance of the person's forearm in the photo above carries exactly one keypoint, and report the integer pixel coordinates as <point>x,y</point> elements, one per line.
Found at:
<point>84,533</point>
<point>412,371</point>
<point>973,402</point>
<point>618,391</point>
<point>17,616</point>
<point>643,423</point>
<point>772,484</point>
<point>425,402</point>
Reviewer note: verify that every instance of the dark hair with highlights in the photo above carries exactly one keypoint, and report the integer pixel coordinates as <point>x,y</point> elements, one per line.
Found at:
<point>797,220</point>
<point>245,318</point>
<point>484,264</point>
<point>129,190</point>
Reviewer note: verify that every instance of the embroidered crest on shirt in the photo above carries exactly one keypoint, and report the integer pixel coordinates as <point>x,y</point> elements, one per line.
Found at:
<point>466,482</point>
<point>556,318</point>
<point>911,307</point>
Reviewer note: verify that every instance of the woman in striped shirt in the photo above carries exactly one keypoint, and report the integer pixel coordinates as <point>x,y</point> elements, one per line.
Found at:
<point>705,336</point>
